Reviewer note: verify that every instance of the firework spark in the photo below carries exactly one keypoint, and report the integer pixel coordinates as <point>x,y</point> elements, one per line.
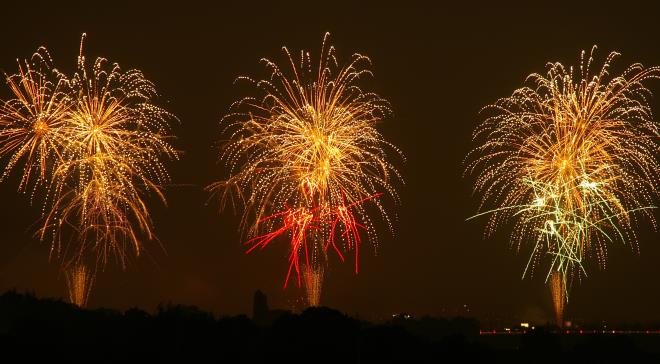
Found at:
<point>305,157</point>
<point>571,160</point>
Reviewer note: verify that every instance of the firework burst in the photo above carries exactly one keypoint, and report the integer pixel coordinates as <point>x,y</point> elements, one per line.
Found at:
<point>32,122</point>
<point>98,143</point>
<point>305,156</point>
<point>118,141</point>
<point>571,160</point>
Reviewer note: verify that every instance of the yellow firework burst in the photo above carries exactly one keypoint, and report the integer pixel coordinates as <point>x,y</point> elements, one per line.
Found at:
<point>305,154</point>
<point>572,159</point>
<point>98,143</point>
<point>32,122</point>
<point>117,144</point>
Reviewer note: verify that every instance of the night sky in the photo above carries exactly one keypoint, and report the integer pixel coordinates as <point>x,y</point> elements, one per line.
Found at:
<point>436,64</point>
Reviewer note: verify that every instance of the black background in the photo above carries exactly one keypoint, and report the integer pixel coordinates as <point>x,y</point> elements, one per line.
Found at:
<point>437,64</point>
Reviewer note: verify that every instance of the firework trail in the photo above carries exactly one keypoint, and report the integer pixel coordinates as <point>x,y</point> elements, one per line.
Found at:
<point>79,281</point>
<point>305,157</point>
<point>313,283</point>
<point>558,291</point>
<point>572,161</point>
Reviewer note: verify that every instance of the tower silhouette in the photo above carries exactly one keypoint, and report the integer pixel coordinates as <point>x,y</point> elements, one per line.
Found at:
<point>260,306</point>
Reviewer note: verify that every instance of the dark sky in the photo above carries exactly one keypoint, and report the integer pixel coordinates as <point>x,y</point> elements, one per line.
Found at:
<point>437,65</point>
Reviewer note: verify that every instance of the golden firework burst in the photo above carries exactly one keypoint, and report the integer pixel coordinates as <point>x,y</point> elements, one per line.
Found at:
<point>305,155</point>
<point>572,160</point>
<point>32,122</point>
<point>118,141</point>
<point>99,144</point>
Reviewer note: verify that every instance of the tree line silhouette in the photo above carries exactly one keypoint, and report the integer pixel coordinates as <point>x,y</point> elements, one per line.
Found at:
<point>51,330</point>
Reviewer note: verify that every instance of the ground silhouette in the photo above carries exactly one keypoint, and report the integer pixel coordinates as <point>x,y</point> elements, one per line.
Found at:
<point>35,329</point>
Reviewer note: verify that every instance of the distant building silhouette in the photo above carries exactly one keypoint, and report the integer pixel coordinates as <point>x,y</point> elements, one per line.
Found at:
<point>261,314</point>
<point>259,306</point>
